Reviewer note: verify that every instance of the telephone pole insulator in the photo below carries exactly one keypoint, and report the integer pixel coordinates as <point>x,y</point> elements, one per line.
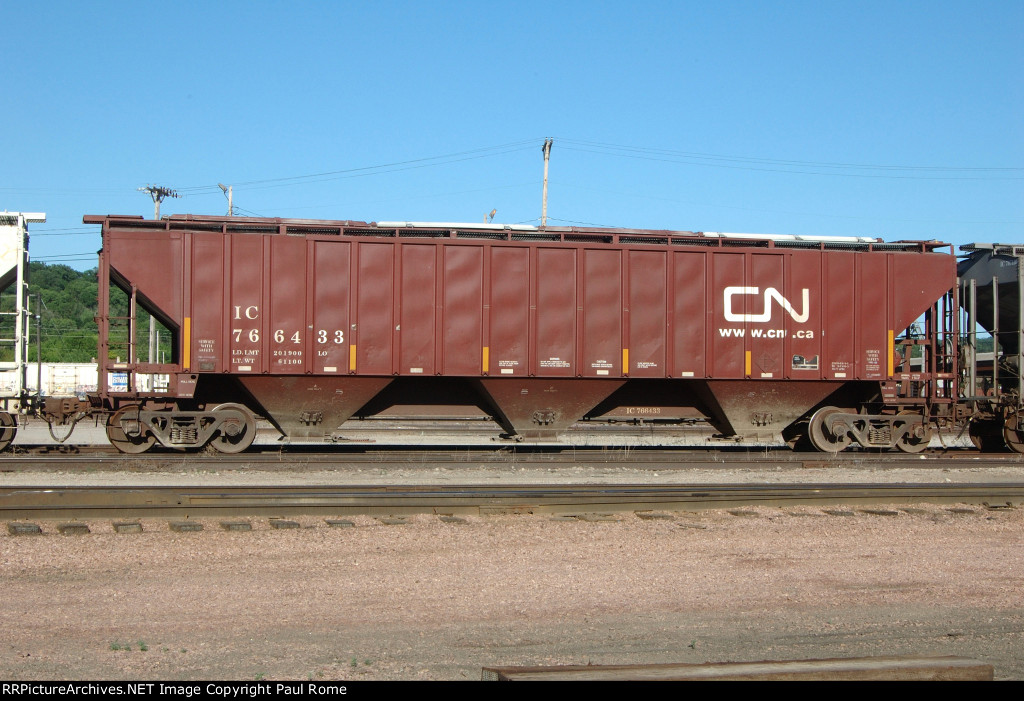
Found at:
<point>158,194</point>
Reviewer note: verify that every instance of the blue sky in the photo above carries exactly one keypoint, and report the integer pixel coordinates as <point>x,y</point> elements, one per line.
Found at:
<point>902,120</point>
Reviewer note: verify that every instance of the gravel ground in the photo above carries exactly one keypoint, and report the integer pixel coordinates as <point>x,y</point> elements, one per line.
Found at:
<point>433,600</point>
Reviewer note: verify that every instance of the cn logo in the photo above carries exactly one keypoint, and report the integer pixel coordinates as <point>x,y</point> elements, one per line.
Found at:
<point>770,293</point>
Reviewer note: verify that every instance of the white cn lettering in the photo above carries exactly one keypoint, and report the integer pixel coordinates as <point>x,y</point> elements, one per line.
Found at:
<point>770,293</point>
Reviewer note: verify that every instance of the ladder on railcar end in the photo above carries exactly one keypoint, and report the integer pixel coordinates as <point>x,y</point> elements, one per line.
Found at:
<point>15,326</point>
<point>122,371</point>
<point>926,360</point>
<point>944,350</point>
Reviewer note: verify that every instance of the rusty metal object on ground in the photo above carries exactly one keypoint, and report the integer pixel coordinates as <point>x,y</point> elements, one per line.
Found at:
<point>852,669</point>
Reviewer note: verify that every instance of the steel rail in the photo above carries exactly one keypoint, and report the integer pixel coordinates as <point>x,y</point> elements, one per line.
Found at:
<point>304,458</point>
<point>92,502</point>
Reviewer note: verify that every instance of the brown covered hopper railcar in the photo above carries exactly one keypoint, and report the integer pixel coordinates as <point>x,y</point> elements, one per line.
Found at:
<point>309,323</point>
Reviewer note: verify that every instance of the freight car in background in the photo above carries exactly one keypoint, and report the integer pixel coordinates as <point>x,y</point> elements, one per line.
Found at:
<point>308,324</point>
<point>992,295</point>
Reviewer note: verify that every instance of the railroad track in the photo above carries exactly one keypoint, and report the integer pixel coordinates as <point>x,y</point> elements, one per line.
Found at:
<point>197,502</point>
<point>307,457</point>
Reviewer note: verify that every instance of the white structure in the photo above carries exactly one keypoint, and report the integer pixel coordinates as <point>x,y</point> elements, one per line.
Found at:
<point>14,269</point>
<point>58,379</point>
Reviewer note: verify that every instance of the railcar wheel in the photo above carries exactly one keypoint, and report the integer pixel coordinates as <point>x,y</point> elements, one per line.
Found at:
<point>8,429</point>
<point>987,437</point>
<point>237,432</point>
<point>821,437</point>
<point>915,443</point>
<point>1013,432</point>
<point>126,433</point>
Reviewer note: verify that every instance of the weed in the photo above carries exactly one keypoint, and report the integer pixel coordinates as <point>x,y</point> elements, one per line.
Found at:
<point>692,645</point>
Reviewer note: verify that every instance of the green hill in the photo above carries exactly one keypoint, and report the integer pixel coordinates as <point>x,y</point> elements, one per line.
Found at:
<point>68,317</point>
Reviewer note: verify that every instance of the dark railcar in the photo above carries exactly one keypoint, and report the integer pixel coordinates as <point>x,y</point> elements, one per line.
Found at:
<point>992,290</point>
<point>309,323</point>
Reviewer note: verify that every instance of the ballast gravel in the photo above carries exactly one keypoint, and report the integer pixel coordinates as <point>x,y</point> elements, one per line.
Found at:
<point>437,599</point>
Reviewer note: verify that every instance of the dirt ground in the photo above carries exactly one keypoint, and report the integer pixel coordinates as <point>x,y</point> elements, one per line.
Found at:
<point>438,601</point>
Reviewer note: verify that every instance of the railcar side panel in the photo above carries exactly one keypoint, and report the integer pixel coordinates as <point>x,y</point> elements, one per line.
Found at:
<point>374,325</point>
<point>802,360</point>
<point>765,345</point>
<point>917,282</point>
<point>463,304</point>
<point>555,324</point>
<point>602,344</point>
<point>288,331</point>
<point>331,300</point>
<point>510,313</point>
<point>420,309</point>
<point>691,315</point>
<point>209,348</point>
<point>153,262</point>
<point>730,334</point>
<point>415,332</point>
<point>871,343</point>
<point>840,309</point>
<point>247,307</point>
<point>647,312</point>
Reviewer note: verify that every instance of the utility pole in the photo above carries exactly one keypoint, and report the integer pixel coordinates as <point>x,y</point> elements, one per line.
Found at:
<point>39,347</point>
<point>158,194</point>
<point>544,205</point>
<point>226,189</point>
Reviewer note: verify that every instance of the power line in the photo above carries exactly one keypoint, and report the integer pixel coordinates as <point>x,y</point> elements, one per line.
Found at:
<point>75,256</point>
<point>36,234</point>
<point>786,162</point>
<point>794,166</point>
<point>583,223</point>
<point>363,171</point>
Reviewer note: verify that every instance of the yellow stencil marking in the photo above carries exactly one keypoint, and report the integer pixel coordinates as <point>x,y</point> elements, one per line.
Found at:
<point>892,349</point>
<point>186,342</point>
